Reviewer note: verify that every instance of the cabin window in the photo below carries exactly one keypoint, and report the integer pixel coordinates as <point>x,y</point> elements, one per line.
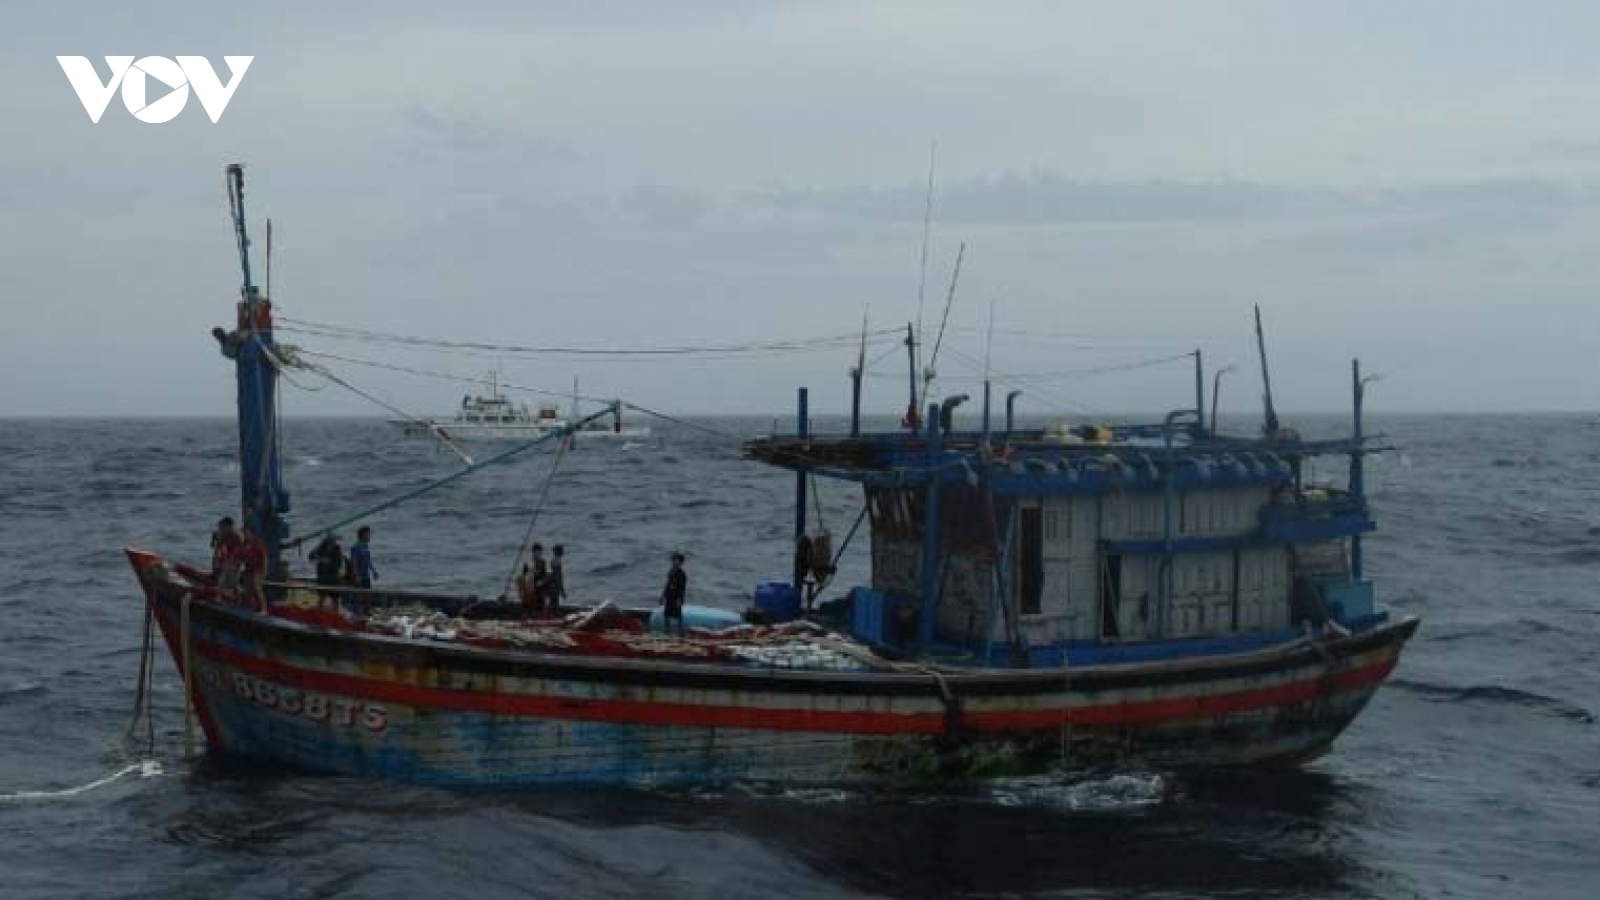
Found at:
<point>1030,562</point>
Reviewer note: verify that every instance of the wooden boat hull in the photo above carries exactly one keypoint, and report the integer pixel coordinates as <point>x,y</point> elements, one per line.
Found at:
<point>441,713</point>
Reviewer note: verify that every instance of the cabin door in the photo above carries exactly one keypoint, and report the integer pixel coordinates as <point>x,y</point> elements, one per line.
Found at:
<point>1030,561</point>
<point>1110,595</point>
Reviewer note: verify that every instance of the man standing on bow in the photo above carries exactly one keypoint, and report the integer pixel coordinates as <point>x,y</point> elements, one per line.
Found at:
<point>361,558</point>
<point>673,594</point>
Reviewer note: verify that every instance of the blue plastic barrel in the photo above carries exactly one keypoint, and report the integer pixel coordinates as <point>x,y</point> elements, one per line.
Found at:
<point>869,616</point>
<point>778,601</point>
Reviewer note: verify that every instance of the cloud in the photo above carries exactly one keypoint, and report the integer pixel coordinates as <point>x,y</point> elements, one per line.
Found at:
<point>1043,196</point>
<point>453,130</point>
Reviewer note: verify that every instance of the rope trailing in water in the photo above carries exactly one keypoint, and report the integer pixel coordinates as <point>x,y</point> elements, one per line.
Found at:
<point>544,494</point>
<point>188,679</point>
<point>141,697</point>
<point>146,769</point>
<point>453,477</point>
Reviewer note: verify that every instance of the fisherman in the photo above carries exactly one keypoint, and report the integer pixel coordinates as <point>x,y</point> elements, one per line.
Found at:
<point>224,545</point>
<point>526,592</point>
<point>539,581</point>
<point>329,558</point>
<point>361,558</point>
<point>558,577</point>
<point>672,595</point>
<point>252,558</point>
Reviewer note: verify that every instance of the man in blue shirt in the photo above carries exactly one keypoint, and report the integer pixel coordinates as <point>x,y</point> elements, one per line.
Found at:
<point>361,558</point>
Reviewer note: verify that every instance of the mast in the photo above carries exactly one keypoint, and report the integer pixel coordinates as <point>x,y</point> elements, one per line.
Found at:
<point>988,352</point>
<point>1270,426</point>
<point>803,431</point>
<point>856,374</point>
<point>911,359</point>
<point>1358,481</point>
<point>262,498</point>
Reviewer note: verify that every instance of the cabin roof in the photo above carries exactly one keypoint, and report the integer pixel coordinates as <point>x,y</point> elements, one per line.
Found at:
<point>1133,457</point>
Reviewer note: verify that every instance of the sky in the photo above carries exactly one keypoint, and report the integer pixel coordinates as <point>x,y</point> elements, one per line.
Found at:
<point>1416,184</point>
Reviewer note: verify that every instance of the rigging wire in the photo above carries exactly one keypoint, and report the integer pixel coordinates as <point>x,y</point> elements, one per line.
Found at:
<point>949,301</point>
<point>1031,377</point>
<point>446,376</point>
<point>1091,336</point>
<point>1051,398</point>
<point>680,421</point>
<point>544,495</point>
<point>341,332</point>
<point>433,429</point>
<point>893,349</point>
<point>467,379</point>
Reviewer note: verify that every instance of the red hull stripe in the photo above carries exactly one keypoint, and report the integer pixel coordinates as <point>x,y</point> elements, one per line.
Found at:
<point>636,712</point>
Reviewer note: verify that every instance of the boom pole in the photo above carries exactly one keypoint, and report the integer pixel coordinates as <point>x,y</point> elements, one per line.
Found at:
<point>1270,426</point>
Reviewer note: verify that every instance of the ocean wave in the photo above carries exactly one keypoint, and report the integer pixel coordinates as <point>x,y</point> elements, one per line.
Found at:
<point>700,503</point>
<point>1496,694</point>
<point>21,689</point>
<point>1109,793</point>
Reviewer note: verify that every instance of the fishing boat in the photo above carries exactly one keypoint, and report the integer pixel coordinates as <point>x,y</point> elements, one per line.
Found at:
<point>1144,595</point>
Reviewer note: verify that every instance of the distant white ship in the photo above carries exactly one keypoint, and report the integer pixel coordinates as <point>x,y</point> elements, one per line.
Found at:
<point>498,418</point>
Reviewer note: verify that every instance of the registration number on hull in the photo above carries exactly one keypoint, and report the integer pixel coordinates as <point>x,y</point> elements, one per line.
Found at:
<point>341,712</point>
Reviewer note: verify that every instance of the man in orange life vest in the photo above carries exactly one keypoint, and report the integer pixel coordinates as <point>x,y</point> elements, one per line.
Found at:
<point>252,557</point>
<point>224,544</point>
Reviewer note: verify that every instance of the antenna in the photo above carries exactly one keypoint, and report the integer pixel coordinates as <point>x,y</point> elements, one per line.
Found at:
<point>267,287</point>
<point>927,228</point>
<point>1270,426</point>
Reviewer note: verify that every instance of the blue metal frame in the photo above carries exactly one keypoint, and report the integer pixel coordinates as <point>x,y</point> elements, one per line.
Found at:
<point>263,500</point>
